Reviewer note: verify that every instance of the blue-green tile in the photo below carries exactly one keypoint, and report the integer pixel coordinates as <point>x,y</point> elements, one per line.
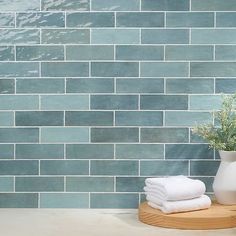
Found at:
<point>189,52</point>
<point>114,36</point>
<point>139,151</point>
<point>89,118</point>
<point>225,52</point>
<point>115,5</point>
<point>138,118</point>
<point>14,167</point>
<point>39,184</point>
<point>114,167</point>
<point>225,19</point>
<point>23,5</point>
<point>39,151</point>
<point>65,5</point>
<point>204,168</point>
<point>64,69</point>
<point>164,135</point>
<point>65,36</point>
<point>139,53</point>
<point>143,85</point>
<point>213,5</point>
<point>225,85</point>
<point>7,53</point>
<point>165,36</point>
<point>163,168</point>
<point>194,138</point>
<point>165,5</point>
<point>130,184</point>
<point>90,19</point>
<point>190,19</point>
<point>188,151</point>
<point>208,181</point>
<point>18,200</point>
<point>140,19</point>
<point>64,200</point>
<point>64,167</point>
<point>114,135</point>
<point>7,20</point>
<point>39,118</point>
<point>89,151</point>
<point>205,102</point>
<point>6,184</point>
<point>64,135</point>
<point>164,69</point>
<point>164,102</point>
<point>90,52</point>
<point>6,151</point>
<point>7,86</point>
<point>114,102</point>
<point>7,118</point>
<point>85,85</point>
<point>40,19</point>
<point>89,184</point>
<point>186,118</point>
<point>188,86</point>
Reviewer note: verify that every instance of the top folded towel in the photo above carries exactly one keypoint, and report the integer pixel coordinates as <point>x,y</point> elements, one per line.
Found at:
<point>175,188</point>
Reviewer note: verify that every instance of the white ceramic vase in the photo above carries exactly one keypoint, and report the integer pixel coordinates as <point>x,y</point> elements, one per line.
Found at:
<point>224,184</point>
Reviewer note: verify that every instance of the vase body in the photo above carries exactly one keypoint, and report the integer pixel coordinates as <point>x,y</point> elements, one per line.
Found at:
<point>224,184</point>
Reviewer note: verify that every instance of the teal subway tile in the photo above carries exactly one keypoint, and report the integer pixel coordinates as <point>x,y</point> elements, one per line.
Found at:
<point>7,20</point>
<point>225,19</point>
<point>39,118</point>
<point>164,135</point>
<point>163,168</point>
<point>19,102</point>
<point>213,36</point>
<point>189,52</point>
<point>115,36</point>
<point>142,198</point>
<point>139,151</point>
<point>130,184</point>
<point>64,135</point>
<point>7,118</point>
<point>89,118</point>
<point>114,135</point>
<point>39,53</point>
<point>16,167</point>
<point>65,36</point>
<point>213,5</point>
<point>194,138</point>
<point>64,102</point>
<point>65,69</point>
<point>90,52</point>
<point>39,184</point>
<point>204,168</point>
<point>165,5</point>
<point>114,102</point>
<point>205,102</point>
<point>165,36</point>
<point>23,5</point>
<point>7,86</point>
<point>163,102</point>
<point>64,167</point>
<point>89,151</point>
<point>114,167</point>
<point>19,69</point>
<point>164,69</point>
<point>225,85</point>
<point>91,85</point>
<point>39,151</point>
<point>7,184</point>
<point>40,20</point>
<point>188,151</point>
<point>89,184</point>
<point>186,118</point>
<point>64,200</point>
<point>140,19</point>
<point>138,118</point>
<point>225,52</point>
<point>40,86</point>
<point>190,86</point>
<point>139,53</point>
<point>19,36</point>
<point>6,151</point>
<point>18,200</point>
<point>7,53</point>
<point>143,85</point>
<point>190,19</point>
<point>115,5</point>
<point>90,19</point>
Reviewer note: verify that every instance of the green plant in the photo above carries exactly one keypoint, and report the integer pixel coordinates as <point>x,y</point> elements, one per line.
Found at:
<point>222,135</point>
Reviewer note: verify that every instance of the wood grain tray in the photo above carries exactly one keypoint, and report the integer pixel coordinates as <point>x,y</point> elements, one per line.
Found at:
<point>216,217</point>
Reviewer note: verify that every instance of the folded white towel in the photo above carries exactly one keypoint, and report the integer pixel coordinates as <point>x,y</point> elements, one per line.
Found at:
<point>175,188</point>
<point>168,207</point>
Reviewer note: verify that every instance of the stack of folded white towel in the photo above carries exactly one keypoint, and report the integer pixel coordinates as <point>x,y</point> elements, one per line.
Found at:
<point>176,194</point>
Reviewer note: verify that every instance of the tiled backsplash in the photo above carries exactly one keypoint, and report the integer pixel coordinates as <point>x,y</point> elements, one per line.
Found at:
<point>97,95</point>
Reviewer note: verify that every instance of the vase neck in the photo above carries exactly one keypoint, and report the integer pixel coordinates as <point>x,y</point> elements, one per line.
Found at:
<point>228,156</point>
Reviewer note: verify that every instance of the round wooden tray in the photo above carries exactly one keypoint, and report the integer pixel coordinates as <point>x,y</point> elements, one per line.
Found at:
<point>216,217</point>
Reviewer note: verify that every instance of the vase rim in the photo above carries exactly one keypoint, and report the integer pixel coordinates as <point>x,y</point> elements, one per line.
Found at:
<point>228,155</point>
